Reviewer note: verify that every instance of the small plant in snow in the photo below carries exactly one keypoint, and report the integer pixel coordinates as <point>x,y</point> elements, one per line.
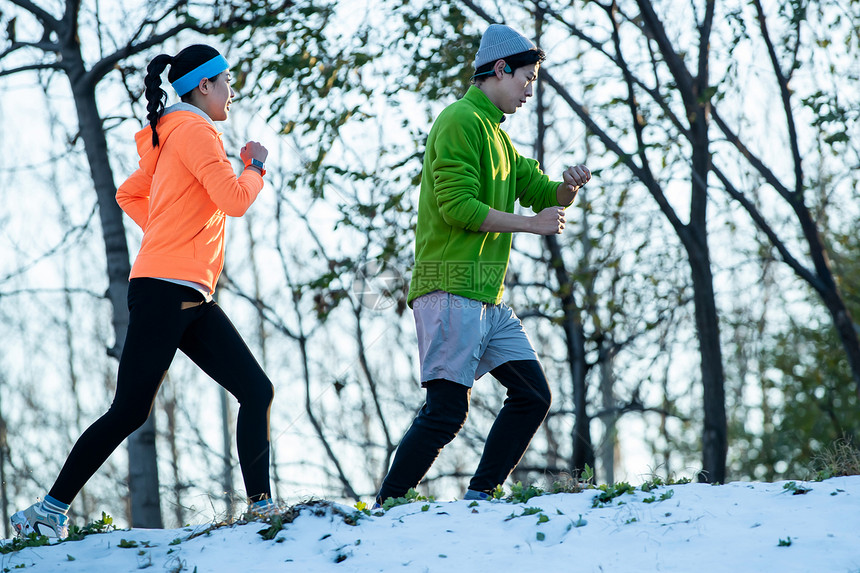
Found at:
<point>521,494</point>
<point>19,543</point>
<point>610,492</point>
<point>796,489</point>
<point>103,525</point>
<point>269,533</point>
<point>411,496</point>
<point>663,497</point>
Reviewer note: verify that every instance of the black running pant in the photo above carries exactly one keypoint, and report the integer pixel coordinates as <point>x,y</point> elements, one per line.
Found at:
<point>443,415</point>
<point>164,317</point>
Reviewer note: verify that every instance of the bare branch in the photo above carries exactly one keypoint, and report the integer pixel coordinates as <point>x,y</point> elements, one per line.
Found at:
<point>704,50</point>
<point>31,67</point>
<point>47,20</point>
<point>70,22</point>
<point>106,64</point>
<point>268,314</point>
<point>638,124</point>
<point>626,158</point>
<point>70,237</point>
<point>578,33</point>
<point>153,21</point>
<point>65,290</point>
<point>763,226</point>
<point>42,46</point>
<point>754,160</point>
<point>479,11</point>
<point>673,61</point>
<point>785,94</point>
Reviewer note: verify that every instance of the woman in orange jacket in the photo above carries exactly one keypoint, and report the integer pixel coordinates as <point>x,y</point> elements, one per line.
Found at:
<point>180,196</point>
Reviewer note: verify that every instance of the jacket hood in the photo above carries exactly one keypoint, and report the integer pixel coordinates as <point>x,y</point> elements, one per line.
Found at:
<point>170,119</point>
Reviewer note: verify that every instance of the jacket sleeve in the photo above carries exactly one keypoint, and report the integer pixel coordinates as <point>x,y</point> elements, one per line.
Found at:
<point>534,187</point>
<point>455,174</point>
<point>201,151</point>
<point>133,196</point>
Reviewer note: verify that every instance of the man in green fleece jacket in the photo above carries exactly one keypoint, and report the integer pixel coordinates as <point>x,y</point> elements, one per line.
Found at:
<point>471,179</point>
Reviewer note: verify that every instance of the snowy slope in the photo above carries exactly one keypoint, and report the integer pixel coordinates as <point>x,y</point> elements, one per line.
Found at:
<point>738,527</point>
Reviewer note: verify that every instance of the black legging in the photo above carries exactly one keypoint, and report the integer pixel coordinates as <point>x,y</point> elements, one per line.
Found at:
<point>443,415</point>
<point>164,317</point>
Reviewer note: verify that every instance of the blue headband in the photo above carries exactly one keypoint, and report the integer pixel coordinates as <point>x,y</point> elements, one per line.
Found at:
<point>192,79</point>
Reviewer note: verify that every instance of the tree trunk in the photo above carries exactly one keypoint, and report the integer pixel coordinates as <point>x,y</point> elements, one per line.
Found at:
<point>695,240</point>
<point>170,411</point>
<point>607,449</point>
<point>714,432</point>
<point>143,467</point>
<point>4,494</point>
<point>583,448</point>
<point>227,483</point>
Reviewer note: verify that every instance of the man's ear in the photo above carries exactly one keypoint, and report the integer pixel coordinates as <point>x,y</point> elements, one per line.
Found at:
<point>204,86</point>
<point>500,67</point>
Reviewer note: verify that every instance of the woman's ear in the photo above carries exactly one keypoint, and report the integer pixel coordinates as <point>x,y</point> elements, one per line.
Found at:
<point>204,86</point>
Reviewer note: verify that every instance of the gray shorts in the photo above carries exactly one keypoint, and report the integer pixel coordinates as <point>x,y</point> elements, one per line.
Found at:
<point>461,339</point>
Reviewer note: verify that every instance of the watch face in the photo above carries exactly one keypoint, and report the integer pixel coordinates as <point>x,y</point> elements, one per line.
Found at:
<point>257,163</point>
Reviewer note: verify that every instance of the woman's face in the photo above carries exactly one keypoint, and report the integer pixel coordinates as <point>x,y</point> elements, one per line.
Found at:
<point>216,96</point>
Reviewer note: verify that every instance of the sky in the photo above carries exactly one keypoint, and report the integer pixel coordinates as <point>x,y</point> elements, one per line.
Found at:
<point>737,527</point>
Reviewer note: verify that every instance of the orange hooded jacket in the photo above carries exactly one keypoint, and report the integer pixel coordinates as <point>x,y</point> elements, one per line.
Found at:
<point>180,197</point>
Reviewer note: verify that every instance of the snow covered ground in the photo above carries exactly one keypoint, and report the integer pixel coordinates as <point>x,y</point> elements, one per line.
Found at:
<point>738,527</point>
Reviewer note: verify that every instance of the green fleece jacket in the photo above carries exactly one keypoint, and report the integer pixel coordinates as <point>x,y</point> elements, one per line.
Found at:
<point>470,166</point>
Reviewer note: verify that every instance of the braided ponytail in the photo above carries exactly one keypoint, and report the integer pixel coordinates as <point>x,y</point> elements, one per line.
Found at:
<point>156,97</point>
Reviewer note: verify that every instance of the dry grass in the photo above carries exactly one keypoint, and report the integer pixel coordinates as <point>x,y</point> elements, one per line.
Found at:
<point>842,458</point>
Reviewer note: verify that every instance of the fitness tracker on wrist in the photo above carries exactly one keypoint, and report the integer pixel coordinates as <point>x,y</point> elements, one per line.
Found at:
<point>258,164</point>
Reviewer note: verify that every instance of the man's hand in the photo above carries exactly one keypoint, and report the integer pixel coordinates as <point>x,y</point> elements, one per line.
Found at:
<point>574,178</point>
<point>550,221</point>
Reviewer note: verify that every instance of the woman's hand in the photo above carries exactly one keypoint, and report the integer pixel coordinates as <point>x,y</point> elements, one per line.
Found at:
<point>253,150</point>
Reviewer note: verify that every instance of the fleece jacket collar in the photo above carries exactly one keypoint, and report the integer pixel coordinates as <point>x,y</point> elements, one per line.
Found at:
<point>487,108</point>
<point>182,106</point>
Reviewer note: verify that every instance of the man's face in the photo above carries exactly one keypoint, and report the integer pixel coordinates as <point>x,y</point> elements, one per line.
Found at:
<point>515,89</point>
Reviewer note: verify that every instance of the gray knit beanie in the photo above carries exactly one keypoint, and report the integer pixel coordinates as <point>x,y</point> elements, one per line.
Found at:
<point>500,41</point>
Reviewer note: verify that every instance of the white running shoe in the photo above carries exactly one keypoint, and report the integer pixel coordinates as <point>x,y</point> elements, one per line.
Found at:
<point>264,508</point>
<point>36,519</point>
